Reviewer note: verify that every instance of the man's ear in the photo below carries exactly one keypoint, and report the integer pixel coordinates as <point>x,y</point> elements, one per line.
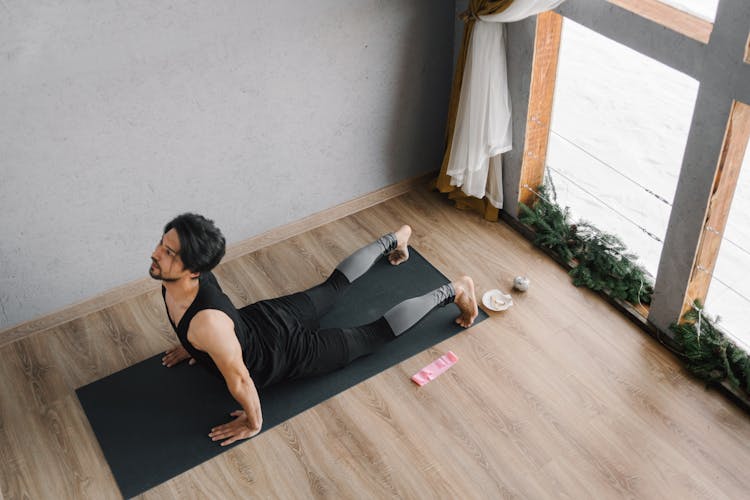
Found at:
<point>194,276</point>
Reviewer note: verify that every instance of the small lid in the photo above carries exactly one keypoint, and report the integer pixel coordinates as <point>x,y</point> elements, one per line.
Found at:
<point>496,300</point>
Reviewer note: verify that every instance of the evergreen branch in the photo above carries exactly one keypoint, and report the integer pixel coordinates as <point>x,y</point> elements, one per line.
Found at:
<point>603,263</point>
<point>709,354</point>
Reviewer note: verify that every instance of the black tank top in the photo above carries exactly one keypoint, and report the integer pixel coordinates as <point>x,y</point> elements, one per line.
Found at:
<point>256,326</point>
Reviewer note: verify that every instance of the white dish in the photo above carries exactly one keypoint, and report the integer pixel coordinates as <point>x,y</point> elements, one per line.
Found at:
<point>496,300</point>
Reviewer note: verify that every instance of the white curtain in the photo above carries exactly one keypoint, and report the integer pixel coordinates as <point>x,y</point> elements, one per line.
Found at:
<point>483,123</point>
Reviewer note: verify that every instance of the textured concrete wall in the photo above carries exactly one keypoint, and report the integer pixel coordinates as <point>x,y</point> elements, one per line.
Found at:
<point>117,116</point>
<point>723,76</point>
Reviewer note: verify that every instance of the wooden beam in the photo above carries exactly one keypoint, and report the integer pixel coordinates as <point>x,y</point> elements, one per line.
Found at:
<point>727,172</point>
<point>670,17</point>
<point>541,93</point>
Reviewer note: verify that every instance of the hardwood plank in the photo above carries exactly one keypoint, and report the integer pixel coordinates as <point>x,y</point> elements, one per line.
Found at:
<point>50,438</point>
<point>558,397</point>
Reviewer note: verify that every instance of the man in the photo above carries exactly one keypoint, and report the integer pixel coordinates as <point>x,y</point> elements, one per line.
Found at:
<point>276,339</point>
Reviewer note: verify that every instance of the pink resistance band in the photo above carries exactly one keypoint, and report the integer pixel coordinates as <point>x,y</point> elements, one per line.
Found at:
<point>434,369</point>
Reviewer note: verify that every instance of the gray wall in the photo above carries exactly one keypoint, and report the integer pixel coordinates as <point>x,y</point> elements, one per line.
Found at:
<point>117,116</point>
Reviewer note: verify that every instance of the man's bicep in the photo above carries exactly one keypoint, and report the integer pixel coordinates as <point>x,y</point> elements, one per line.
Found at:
<point>214,334</point>
<point>212,331</point>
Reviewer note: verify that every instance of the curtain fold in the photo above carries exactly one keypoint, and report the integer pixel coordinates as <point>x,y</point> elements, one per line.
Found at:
<point>479,127</point>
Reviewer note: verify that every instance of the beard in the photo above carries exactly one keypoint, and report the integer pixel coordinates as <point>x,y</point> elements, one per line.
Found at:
<point>155,272</point>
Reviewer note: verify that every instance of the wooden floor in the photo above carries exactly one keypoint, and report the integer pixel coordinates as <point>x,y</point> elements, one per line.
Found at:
<point>558,397</point>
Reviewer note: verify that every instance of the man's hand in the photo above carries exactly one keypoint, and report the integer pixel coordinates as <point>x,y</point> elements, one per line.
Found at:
<point>176,355</point>
<point>239,428</point>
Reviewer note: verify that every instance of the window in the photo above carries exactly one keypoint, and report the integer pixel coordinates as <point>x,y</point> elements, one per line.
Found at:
<point>619,126</point>
<point>729,292</point>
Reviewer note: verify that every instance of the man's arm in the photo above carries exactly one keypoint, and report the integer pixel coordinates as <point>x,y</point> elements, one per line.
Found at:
<point>212,331</point>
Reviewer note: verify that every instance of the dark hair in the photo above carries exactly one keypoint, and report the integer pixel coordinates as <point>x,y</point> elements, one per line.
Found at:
<point>201,243</point>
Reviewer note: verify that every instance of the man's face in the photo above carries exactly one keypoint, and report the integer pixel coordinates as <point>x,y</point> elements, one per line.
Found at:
<point>166,264</point>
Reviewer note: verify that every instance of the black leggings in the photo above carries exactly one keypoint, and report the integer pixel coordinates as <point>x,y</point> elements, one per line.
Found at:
<point>320,351</point>
<point>329,349</point>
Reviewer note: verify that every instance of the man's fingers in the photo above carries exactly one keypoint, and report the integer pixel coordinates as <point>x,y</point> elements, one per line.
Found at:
<point>224,431</point>
<point>219,429</point>
<point>236,436</point>
<point>230,441</point>
<point>216,435</point>
<point>176,355</point>
<point>231,435</point>
<point>231,431</point>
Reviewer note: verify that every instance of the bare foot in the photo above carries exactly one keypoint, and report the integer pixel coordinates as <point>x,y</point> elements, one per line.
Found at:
<point>401,253</point>
<point>466,301</point>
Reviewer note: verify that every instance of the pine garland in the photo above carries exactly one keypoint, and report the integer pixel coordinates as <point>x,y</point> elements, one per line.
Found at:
<point>601,262</point>
<point>600,259</point>
<point>708,353</point>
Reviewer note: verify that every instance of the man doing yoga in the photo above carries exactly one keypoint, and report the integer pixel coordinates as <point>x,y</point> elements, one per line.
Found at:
<point>277,339</point>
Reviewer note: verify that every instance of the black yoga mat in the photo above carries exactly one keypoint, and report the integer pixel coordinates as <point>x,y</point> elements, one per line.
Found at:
<point>152,422</point>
